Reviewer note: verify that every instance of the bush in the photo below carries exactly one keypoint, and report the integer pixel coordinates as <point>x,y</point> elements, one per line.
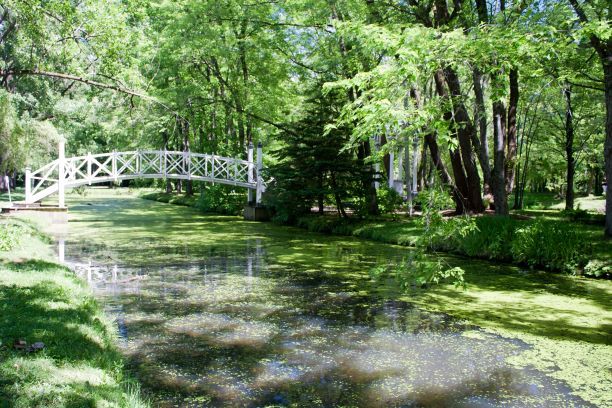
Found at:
<point>549,244</point>
<point>325,225</point>
<point>598,269</point>
<point>389,200</point>
<point>221,199</point>
<point>583,216</point>
<point>492,239</point>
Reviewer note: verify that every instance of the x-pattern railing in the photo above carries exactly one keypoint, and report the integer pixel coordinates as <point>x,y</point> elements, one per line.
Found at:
<point>104,167</point>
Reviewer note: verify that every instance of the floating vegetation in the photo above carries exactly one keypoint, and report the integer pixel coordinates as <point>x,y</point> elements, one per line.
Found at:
<point>241,314</point>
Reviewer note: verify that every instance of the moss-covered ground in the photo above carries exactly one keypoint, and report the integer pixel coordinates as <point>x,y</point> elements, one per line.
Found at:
<point>41,301</point>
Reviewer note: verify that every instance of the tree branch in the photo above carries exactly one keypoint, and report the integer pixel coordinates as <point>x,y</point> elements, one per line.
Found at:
<point>69,77</point>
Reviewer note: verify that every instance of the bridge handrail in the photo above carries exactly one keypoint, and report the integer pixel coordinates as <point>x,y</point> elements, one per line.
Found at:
<point>169,152</point>
<point>102,167</point>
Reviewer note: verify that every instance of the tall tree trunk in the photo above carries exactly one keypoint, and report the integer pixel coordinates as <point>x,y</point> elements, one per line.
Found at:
<point>569,147</point>
<point>321,196</point>
<point>464,165</point>
<point>498,178</point>
<point>367,180</point>
<point>481,118</point>
<point>245,79</point>
<point>607,64</point>
<point>512,130</point>
<point>434,151</point>
<point>386,157</point>
<point>337,197</point>
<point>241,129</point>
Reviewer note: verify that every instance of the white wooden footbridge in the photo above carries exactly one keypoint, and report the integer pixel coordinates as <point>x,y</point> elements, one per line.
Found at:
<point>67,172</point>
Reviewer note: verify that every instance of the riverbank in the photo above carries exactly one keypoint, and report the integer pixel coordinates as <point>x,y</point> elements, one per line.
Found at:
<point>560,242</point>
<point>41,301</point>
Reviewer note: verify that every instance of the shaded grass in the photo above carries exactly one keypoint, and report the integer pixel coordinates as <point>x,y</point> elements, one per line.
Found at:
<point>80,365</point>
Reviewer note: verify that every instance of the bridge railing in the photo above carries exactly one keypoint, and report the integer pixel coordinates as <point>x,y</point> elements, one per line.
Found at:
<point>97,168</point>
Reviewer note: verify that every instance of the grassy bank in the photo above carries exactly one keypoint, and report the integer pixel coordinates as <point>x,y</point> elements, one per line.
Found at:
<point>41,301</point>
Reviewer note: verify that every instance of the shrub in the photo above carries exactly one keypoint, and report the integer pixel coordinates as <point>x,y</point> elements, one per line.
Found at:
<point>549,244</point>
<point>221,199</point>
<point>492,238</point>
<point>325,225</point>
<point>389,200</point>
<point>598,269</point>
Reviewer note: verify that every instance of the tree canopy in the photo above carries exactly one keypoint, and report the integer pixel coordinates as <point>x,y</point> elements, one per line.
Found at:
<point>488,98</point>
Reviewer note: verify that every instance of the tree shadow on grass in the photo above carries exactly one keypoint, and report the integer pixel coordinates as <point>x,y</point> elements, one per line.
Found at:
<point>37,308</point>
<point>58,328</point>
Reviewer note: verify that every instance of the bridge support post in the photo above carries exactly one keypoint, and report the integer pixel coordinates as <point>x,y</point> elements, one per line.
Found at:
<point>391,175</point>
<point>61,174</point>
<point>259,175</point>
<point>28,185</point>
<point>251,178</point>
<point>89,168</point>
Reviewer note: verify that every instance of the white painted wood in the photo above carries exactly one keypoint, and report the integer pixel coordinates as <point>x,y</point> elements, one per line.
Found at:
<point>117,166</point>
<point>391,169</point>
<point>28,183</point>
<point>259,186</point>
<point>415,165</point>
<point>61,174</point>
<point>250,176</point>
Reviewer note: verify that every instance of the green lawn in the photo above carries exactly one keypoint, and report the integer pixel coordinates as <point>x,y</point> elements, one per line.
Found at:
<point>41,301</point>
<point>551,201</point>
<point>17,195</point>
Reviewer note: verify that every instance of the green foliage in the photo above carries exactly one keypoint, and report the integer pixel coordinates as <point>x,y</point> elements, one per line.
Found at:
<point>326,224</point>
<point>221,199</point>
<point>422,269</point>
<point>218,198</point>
<point>492,239</point>
<point>389,201</point>
<point>11,235</point>
<point>598,269</point>
<point>313,168</point>
<point>437,229</point>
<point>549,244</point>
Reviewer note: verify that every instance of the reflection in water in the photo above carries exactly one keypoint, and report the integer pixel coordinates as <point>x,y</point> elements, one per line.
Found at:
<point>236,329</point>
<point>61,251</point>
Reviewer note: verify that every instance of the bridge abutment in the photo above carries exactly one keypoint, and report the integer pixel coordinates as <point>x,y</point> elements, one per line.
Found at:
<point>256,213</point>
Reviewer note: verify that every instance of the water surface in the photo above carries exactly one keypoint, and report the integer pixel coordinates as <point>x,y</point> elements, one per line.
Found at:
<point>216,311</point>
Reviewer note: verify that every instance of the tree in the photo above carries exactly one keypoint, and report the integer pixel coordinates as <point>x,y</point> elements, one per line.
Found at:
<point>594,17</point>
